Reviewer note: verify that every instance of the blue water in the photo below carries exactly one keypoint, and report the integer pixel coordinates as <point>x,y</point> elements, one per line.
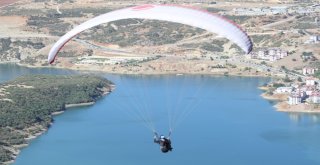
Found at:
<point>226,123</point>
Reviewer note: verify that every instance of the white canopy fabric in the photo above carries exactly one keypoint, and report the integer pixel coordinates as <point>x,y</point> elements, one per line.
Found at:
<point>180,14</point>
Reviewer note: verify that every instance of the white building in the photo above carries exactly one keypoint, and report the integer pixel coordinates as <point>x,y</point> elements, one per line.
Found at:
<point>303,94</point>
<point>273,58</point>
<point>315,98</point>
<point>308,70</point>
<point>284,90</point>
<point>315,39</point>
<point>261,11</point>
<point>252,55</point>
<point>295,85</point>
<point>310,90</point>
<point>310,81</point>
<point>272,54</point>
<point>281,53</point>
<point>262,54</point>
<point>279,9</point>
<point>294,99</point>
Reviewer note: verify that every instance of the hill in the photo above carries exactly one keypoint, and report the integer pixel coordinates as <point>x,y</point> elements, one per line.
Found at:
<point>137,46</point>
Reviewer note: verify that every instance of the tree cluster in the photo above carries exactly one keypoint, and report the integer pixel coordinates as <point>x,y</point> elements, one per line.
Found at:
<point>30,100</point>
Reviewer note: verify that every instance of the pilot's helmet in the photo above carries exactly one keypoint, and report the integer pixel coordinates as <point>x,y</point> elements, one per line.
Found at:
<point>162,137</point>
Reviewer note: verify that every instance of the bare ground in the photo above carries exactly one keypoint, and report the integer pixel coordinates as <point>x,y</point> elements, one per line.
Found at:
<point>7,2</point>
<point>302,108</point>
<point>280,97</point>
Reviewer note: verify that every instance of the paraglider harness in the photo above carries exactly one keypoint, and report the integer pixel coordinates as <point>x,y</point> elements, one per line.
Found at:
<point>164,142</point>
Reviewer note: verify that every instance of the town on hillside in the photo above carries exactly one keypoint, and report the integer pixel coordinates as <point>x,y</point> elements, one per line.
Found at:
<point>301,94</point>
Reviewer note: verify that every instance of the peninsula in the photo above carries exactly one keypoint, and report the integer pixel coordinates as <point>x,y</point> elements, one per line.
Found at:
<point>28,103</point>
<point>295,95</point>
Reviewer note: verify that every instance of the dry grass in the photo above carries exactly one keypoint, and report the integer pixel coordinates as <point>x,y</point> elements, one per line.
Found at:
<point>7,2</point>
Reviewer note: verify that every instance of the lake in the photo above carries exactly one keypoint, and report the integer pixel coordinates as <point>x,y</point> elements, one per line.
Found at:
<point>215,120</point>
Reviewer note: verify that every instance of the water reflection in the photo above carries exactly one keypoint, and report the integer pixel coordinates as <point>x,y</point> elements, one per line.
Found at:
<point>303,118</point>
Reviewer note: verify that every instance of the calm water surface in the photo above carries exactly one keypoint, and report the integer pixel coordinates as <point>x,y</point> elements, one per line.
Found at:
<point>226,122</point>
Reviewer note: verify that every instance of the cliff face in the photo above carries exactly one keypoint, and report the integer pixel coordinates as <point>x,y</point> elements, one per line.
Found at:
<point>27,104</point>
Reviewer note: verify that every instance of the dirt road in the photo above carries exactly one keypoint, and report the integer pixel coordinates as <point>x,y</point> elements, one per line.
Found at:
<point>268,26</point>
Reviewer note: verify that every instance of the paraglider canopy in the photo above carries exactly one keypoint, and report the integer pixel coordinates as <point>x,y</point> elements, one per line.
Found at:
<point>173,13</point>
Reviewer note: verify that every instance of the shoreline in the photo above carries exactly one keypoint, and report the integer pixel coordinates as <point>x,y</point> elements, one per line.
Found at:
<point>16,149</point>
<point>68,106</point>
<point>106,91</point>
<point>283,106</point>
<point>78,105</point>
<point>300,108</point>
<point>169,73</point>
<point>275,97</point>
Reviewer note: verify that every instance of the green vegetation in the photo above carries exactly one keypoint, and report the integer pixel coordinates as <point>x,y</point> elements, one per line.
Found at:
<point>224,57</point>
<point>214,10</point>
<point>215,46</point>
<point>277,85</point>
<point>142,32</point>
<point>236,47</point>
<point>68,54</point>
<point>270,91</point>
<point>34,45</point>
<point>29,60</point>
<point>74,12</point>
<point>261,38</point>
<point>29,102</point>
<point>49,19</point>
<point>287,79</point>
<point>5,155</point>
<point>11,10</point>
<point>305,25</point>
<point>284,68</point>
<point>12,48</point>
<point>307,54</point>
<point>238,19</point>
<point>317,74</point>
<point>231,65</point>
<point>82,12</point>
<point>5,44</point>
<point>55,25</point>
<point>247,69</point>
